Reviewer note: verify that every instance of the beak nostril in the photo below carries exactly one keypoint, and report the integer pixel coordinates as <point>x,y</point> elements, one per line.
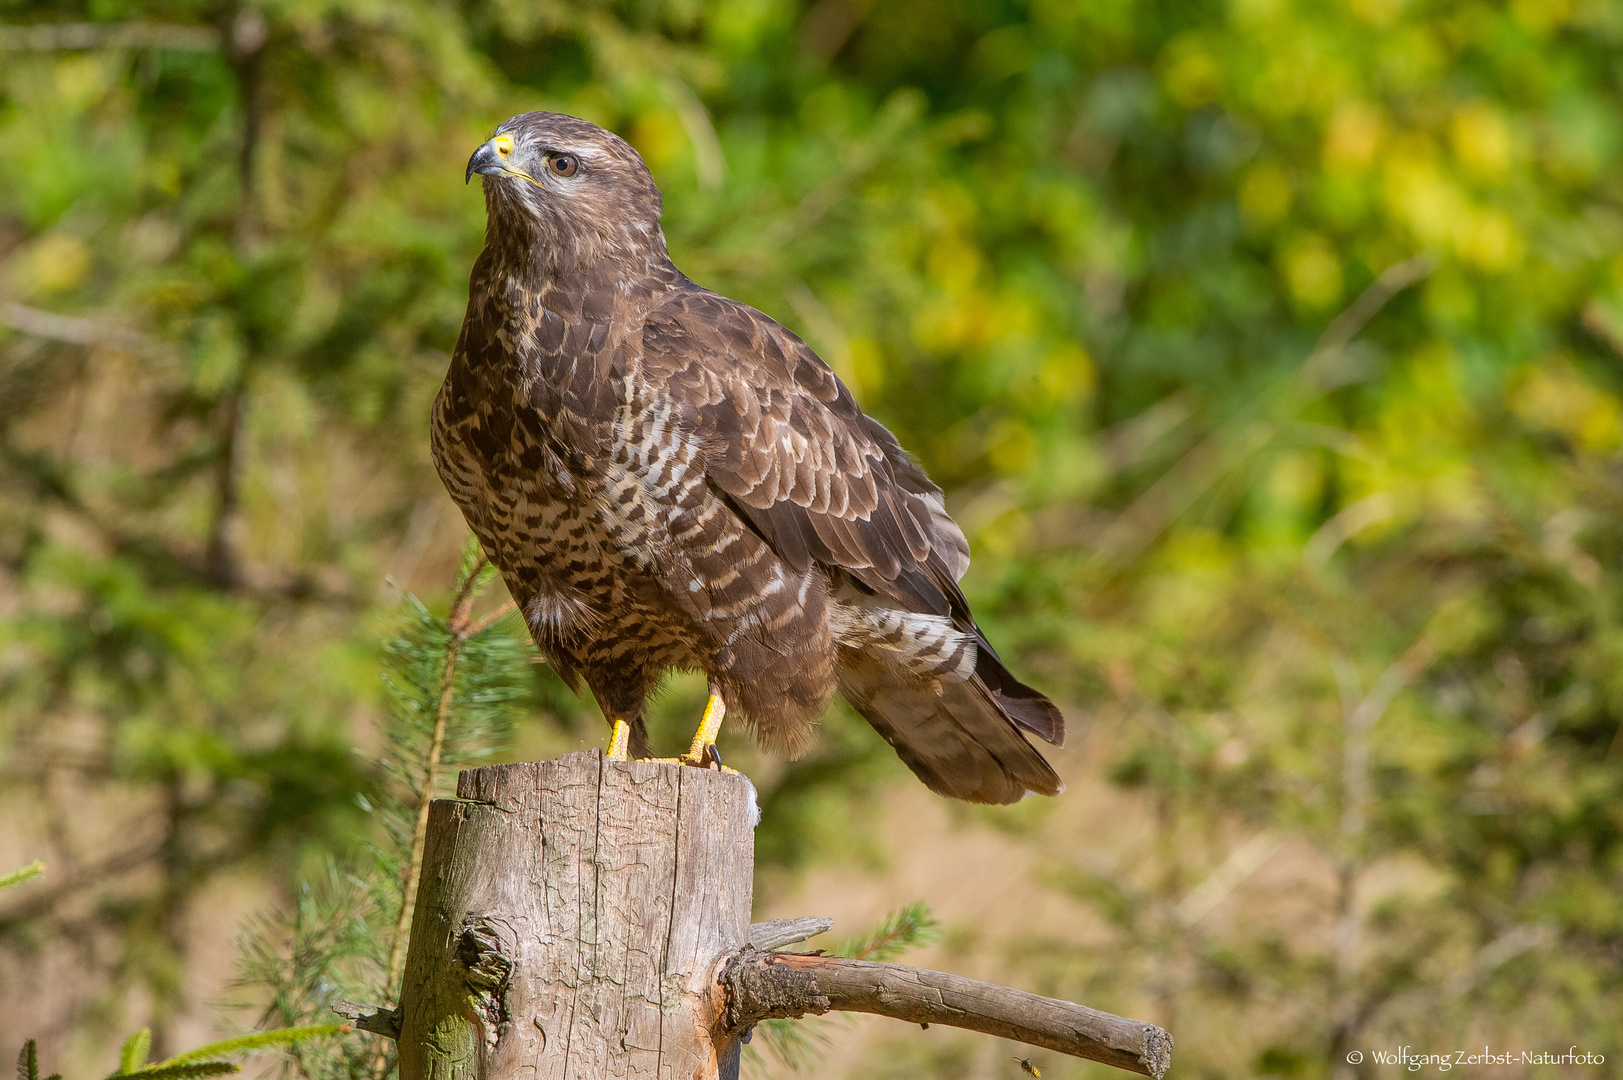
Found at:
<point>492,158</point>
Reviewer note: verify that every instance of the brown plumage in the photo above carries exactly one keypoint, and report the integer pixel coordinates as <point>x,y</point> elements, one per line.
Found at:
<point>668,478</point>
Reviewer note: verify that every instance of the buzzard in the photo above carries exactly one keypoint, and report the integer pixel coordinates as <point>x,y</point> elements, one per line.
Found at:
<point>669,479</point>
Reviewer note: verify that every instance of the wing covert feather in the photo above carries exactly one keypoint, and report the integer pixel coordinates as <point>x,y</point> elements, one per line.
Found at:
<point>787,444</point>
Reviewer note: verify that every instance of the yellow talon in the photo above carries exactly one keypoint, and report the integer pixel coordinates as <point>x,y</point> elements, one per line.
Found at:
<point>699,751</point>
<point>620,741</point>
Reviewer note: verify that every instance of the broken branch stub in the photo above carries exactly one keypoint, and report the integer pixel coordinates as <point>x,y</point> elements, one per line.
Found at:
<point>776,933</point>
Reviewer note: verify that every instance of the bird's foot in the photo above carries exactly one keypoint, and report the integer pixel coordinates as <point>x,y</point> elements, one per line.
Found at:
<point>704,758</point>
<point>690,763</point>
<point>620,742</point>
<point>702,752</point>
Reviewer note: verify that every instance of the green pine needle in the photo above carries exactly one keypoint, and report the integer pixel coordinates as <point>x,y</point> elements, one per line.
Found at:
<point>905,928</point>
<point>17,877</point>
<point>797,1044</point>
<point>473,560</point>
<point>28,1063</point>
<point>191,1071</point>
<point>260,1040</point>
<point>136,1049</point>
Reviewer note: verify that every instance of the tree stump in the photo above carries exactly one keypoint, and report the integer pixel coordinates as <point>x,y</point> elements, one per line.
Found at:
<point>584,918</point>
<point>570,921</point>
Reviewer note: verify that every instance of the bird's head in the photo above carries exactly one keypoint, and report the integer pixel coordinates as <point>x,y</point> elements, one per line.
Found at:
<point>569,185</point>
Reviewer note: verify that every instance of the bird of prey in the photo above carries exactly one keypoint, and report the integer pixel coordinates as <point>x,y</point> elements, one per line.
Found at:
<point>667,478</point>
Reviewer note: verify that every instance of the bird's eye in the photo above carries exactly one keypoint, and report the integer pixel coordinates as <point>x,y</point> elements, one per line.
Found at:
<point>565,164</point>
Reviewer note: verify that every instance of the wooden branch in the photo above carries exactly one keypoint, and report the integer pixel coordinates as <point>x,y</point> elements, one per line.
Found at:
<point>49,37</point>
<point>73,330</point>
<point>776,933</point>
<point>771,985</point>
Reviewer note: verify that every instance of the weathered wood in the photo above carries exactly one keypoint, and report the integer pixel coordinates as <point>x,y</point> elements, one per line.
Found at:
<point>373,1018</point>
<point>768,985</point>
<point>570,921</point>
<point>776,933</point>
<point>585,918</point>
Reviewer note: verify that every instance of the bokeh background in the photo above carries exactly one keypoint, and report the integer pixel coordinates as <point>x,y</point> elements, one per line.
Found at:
<point>1269,351</point>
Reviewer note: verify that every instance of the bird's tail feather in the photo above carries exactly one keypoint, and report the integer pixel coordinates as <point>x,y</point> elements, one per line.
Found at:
<point>1020,703</point>
<point>960,738</point>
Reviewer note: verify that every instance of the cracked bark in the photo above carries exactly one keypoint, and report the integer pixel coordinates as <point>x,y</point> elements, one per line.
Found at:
<point>772,985</point>
<point>570,918</point>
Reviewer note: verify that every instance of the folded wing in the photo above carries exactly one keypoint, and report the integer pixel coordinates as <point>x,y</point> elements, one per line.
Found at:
<point>789,451</point>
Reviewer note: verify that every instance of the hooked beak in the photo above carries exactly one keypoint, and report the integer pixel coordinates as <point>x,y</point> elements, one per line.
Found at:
<point>492,159</point>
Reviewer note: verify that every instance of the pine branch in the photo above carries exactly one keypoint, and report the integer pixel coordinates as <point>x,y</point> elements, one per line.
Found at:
<point>490,620</point>
<point>795,1043</point>
<point>903,929</point>
<point>475,683</point>
<point>136,1049</point>
<point>329,946</point>
<point>28,1063</point>
<point>260,1040</point>
<point>28,873</point>
<point>179,1072</point>
<point>204,1061</point>
<point>460,605</point>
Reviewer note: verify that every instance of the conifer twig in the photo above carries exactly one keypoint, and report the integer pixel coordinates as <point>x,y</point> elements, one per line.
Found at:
<point>460,633</point>
<point>26,873</point>
<point>905,928</point>
<point>488,621</point>
<point>430,770</point>
<point>28,1063</point>
<point>259,1040</point>
<point>134,1053</point>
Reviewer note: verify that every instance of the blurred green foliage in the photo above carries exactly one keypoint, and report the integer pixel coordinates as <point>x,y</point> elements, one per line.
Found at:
<point>205,1061</point>
<point>1335,572</point>
<point>202,1061</point>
